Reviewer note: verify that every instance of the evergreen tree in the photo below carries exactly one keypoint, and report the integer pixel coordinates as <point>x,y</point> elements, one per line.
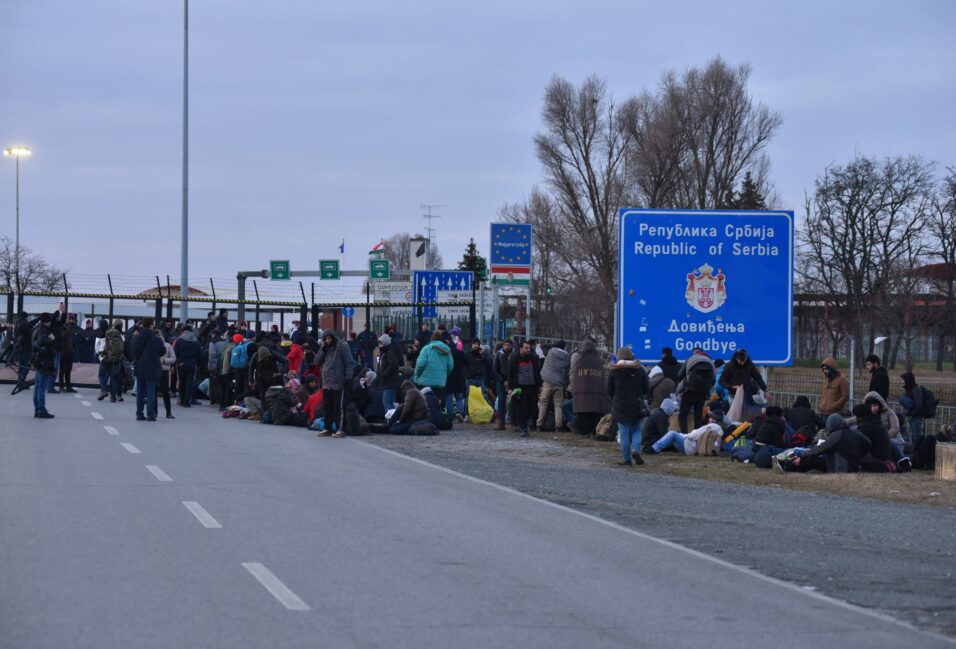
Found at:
<point>749,197</point>
<point>472,260</point>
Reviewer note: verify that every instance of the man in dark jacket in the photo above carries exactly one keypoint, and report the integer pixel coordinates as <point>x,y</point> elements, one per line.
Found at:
<point>627,388</point>
<point>656,424</point>
<point>68,338</point>
<point>588,388</point>
<point>694,382</point>
<point>669,365</point>
<point>500,365</point>
<point>387,377</point>
<point>879,377</point>
<point>23,345</point>
<point>148,349</point>
<point>801,416</point>
<point>366,343</point>
<point>739,373</point>
<point>555,376</point>
<point>842,446</point>
<point>414,410</point>
<point>524,373</point>
<point>187,358</point>
<point>770,438</point>
<point>336,367</point>
<point>43,345</point>
<point>478,365</point>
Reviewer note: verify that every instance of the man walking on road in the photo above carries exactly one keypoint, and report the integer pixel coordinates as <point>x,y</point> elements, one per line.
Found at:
<point>148,350</point>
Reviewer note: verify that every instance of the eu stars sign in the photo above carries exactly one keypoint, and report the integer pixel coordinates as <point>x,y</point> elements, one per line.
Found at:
<point>510,248</point>
<point>719,280</point>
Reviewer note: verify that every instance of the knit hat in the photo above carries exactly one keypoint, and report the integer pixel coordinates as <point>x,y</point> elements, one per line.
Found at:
<point>237,338</point>
<point>384,340</point>
<point>655,371</point>
<point>669,406</point>
<point>625,354</point>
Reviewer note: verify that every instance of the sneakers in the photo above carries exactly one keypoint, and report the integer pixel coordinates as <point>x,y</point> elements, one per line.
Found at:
<point>523,432</point>
<point>638,460</point>
<point>338,434</point>
<point>563,429</point>
<point>905,465</point>
<point>102,396</point>
<point>169,415</point>
<point>69,390</point>
<point>775,462</point>
<point>140,418</point>
<point>459,419</point>
<point>324,433</point>
<point>43,414</point>
<point>624,463</point>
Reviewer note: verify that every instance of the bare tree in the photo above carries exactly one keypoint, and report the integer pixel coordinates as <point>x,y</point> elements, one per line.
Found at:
<point>863,238</point>
<point>397,251</point>
<point>36,274</point>
<point>942,230</point>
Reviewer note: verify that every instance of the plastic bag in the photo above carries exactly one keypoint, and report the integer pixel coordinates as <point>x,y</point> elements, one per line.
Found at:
<point>479,412</point>
<point>736,412</point>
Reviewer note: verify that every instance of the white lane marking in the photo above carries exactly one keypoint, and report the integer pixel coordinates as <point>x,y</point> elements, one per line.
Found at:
<point>129,447</point>
<point>672,545</point>
<point>158,473</point>
<point>278,590</point>
<point>111,430</point>
<point>78,395</point>
<point>96,415</point>
<point>202,515</point>
<point>86,403</point>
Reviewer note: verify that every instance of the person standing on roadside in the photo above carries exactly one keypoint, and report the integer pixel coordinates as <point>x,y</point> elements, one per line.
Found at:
<point>167,363</point>
<point>68,337</point>
<point>836,389</point>
<point>187,358</point>
<point>336,367</point>
<point>113,356</point>
<point>148,351</point>
<point>500,365</point>
<point>388,377</point>
<point>555,375</point>
<point>524,373</point>
<point>879,377</point>
<point>588,388</point>
<point>45,364</point>
<point>627,388</point>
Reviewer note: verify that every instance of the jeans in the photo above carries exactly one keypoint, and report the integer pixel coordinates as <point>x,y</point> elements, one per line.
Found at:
<point>630,435</point>
<point>23,364</point>
<point>186,375</point>
<point>688,401</point>
<point>671,438</point>
<point>43,383</point>
<point>403,427</point>
<point>551,394</point>
<point>66,369</point>
<point>501,403</point>
<point>146,392</point>
<point>109,376</point>
<point>914,423</point>
<point>388,398</point>
<point>454,403</point>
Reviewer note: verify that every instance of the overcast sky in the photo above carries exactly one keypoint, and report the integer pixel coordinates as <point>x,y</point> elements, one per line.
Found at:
<point>313,121</point>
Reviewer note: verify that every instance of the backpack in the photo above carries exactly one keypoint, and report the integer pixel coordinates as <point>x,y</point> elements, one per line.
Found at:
<point>709,444</point>
<point>606,430</point>
<point>239,357</point>
<point>701,378</point>
<point>929,404</point>
<point>114,351</point>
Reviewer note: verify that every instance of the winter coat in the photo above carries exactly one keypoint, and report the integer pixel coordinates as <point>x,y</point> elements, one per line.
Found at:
<point>670,366</point>
<point>456,380</point>
<point>872,427</point>
<point>836,390</point>
<point>478,365</point>
<point>655,426</point>
<point>114,341</point>
<point>524,371</point>
<point>336,362</point>
<point>772,432</point>
<point>736,374</point>
<point>433,366</point>
<point>501,364</point>
<point>556,369</point>
<point>45,348</point>
<point>660,388</point>
<point>187,349</point>
<point>169,358</point>
<point>849,443</point>
<point>891,423</point>
<point>295,357</point>
<point>67,345</point>
<point>880,383</point>
<point>389,361</point>
<point>588,382</point>
<point>148,351</point>
<point>687,372</point>
<point>214,355</point>
<point>23,333</point>
<point>627,388</point>
<point>225,364</point>
<point>801,415</point>
<point>414,408</point>
<point>282,404</point>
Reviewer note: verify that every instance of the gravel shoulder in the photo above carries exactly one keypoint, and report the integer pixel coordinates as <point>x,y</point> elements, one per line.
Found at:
<point>850,537</point>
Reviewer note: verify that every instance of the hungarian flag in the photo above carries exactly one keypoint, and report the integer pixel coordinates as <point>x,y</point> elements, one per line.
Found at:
<point>378,249</point>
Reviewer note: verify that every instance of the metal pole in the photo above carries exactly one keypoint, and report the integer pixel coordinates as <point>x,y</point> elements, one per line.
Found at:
<point>852,371</point>
<point>184,251</point>
<point>368,306</point>
<point>527,312</point>
<point>16,254</point>
<point>481,317</point>
<point>494,312</point>
<point>471,309</point>
<point>241,293</point>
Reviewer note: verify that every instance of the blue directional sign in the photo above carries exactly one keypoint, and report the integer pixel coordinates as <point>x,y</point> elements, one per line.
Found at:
<point>719,280</point>
<point>427,284</point>
<point>510,245</point>
<point>348,311</point>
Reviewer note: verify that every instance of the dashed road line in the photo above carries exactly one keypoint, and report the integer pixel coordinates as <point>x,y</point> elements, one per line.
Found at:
<point>86,403</point>
<point>275,587</point>
<point>96,415</point>
<point>111,430</point>
<point>129,447</point>
<point>158,473</point>
<point>202,515</point>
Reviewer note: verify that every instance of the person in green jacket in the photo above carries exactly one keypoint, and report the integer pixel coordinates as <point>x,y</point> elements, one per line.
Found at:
<point>433,366</point>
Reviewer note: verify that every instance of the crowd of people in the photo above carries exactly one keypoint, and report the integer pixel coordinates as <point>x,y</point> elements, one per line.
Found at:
<point>423,384</point>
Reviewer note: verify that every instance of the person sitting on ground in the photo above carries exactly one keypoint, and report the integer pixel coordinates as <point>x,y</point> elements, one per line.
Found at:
<point>309,386</point>
<point>800,416</point>
<point>292,382</point>
<point>913,402</point>
<point>434,365</point>
<point>770,438</point>
<point>924,456</point>
<point>627,387</point>
<point>285,407</point>
<point>842,446</point>
<point>869,420</point>
<point>414,410</point>
<point>655,425</point>
<point>889,420</point>
<point>661,387</point>
<point>879,377</point>
<point>836,389</point>
<point>688,443</point>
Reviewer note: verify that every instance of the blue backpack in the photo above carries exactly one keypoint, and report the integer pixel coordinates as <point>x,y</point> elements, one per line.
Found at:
<point>239,358</point>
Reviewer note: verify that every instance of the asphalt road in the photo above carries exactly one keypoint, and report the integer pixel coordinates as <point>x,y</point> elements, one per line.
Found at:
<point>203,532</point>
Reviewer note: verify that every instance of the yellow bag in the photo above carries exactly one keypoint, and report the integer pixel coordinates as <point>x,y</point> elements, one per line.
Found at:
<point>479,412</point>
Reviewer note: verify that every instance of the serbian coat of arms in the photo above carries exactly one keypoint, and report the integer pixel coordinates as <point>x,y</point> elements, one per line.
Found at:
<point>706,291</point>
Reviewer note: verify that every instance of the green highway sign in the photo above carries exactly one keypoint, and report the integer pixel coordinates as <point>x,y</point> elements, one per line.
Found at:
<point>379,269</point>
<point>279,270</point>
<point>328,269</point>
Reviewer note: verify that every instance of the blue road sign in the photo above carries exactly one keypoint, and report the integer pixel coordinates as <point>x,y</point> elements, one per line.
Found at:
<point>719,280</point>
<point>510,244</point>
<point>427,283</point>
<point>348,311</point>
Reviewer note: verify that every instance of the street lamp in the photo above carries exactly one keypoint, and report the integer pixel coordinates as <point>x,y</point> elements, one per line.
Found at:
<point>17,152</point>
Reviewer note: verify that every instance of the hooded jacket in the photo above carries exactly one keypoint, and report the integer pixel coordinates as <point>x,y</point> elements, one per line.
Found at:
<point>687,372</point>
<point>656,424</point>
<point>888,418</point>
<point>433,366</point>
<point>588,381</point>
<point>737,374</point>
<point>336,363</point>
<point>836,390</point>
<point>801,415</point>
<point>839,438</point>
<point>187,348</point>
<point>772,431</point>
<point>148,352</point>
<point>414,408</point>
<point>660,387</point>
<point>478,364</point>
<point>388,364</point>
<point>627,387</point>
<point>670,366</point>
<point>557,367</point>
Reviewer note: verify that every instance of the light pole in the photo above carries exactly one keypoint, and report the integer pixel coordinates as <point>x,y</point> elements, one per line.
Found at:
<point>184,226</point>
<point>16,152</point>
